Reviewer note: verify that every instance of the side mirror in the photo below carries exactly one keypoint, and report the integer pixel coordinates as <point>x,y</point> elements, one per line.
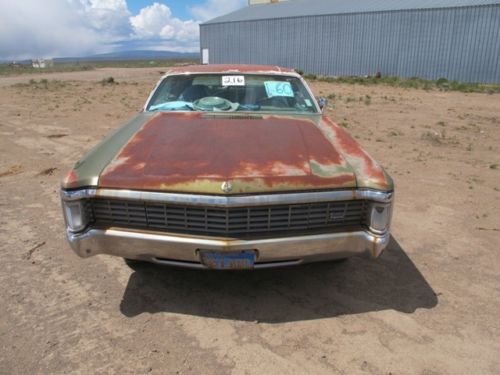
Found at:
<point>322,102</point>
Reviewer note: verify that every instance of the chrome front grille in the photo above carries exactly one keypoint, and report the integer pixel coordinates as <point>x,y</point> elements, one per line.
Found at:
<point>230,222</point>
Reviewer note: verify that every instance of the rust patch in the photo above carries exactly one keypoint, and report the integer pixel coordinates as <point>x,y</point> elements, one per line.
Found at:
<point>374,248</point>
<point>229,68</point>
<point>368,172</point>
<point>186,152</point>
<point>70,180</point>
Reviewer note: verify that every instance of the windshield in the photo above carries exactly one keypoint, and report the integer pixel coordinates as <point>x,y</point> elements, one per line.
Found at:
<point>232,92</point>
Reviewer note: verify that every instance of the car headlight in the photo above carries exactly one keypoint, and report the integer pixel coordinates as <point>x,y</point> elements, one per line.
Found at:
<point>379,217</point>
<point>75,215</point>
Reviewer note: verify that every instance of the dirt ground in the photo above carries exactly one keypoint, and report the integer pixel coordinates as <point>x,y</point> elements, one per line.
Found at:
<point>429,305</point>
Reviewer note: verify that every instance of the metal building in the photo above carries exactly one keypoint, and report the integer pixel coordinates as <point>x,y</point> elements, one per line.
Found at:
<point>454,39</point>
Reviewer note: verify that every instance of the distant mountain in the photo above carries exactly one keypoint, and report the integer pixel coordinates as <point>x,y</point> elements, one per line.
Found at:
<point>21,62</point>
<point>133,55</point>
<point>122,56</point>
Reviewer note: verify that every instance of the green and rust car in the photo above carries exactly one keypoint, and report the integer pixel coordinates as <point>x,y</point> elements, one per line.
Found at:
<point>228,167</point>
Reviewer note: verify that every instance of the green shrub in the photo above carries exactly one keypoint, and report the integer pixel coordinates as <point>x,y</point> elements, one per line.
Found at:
<point>413,83</point>
<point>108,81</point>
<point>311,77</point>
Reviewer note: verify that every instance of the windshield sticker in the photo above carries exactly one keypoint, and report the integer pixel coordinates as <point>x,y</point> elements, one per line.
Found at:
<point>233,81</point>
<point>308,102</point>
<point>278,88</point>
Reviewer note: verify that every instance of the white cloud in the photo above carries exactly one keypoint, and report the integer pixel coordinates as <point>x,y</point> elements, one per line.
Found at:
<point>111,18</point>
<point>189,32</point>
<point>120,5</point>
<point>43,28</point>
<point>156,21</point>
<point>167,32</point>
<point>52,28</point>
<point>151,20</point>
<point>215,8</point>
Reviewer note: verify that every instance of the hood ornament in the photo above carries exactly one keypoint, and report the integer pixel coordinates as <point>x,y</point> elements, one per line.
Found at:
<point>227,187</point>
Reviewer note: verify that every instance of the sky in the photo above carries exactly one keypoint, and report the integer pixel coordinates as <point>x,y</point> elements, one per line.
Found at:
<point>74,28</point>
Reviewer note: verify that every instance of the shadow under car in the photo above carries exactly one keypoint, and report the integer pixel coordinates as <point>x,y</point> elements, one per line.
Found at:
<point>313,291</point>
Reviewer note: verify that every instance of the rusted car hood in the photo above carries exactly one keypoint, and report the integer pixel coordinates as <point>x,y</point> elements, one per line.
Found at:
<point>197,152</point>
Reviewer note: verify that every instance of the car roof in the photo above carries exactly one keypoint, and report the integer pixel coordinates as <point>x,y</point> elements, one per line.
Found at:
<point>230,68</point>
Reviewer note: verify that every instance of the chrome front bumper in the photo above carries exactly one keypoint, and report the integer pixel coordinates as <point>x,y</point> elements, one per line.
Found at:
<point>179,250</point>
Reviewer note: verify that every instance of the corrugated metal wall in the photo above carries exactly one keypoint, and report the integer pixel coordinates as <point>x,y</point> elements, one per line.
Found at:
<point>456,43</point>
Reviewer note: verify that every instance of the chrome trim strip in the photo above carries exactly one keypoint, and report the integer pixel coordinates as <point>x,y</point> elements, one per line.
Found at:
<point>290,263</point>
<point>375,195</point>
<point>200,266</point>
<point>231,201</point>
<point>148,245</point>
<point>73,195</point>
<point>179,263</point>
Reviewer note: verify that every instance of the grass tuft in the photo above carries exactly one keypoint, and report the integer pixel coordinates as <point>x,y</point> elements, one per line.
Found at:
<point>108,81</point>
<point>42,84</point>
<point>441,84</point>
<point>75,66</point>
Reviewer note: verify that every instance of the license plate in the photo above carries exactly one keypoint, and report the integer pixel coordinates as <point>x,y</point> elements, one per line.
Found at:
<point>242,260</point>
